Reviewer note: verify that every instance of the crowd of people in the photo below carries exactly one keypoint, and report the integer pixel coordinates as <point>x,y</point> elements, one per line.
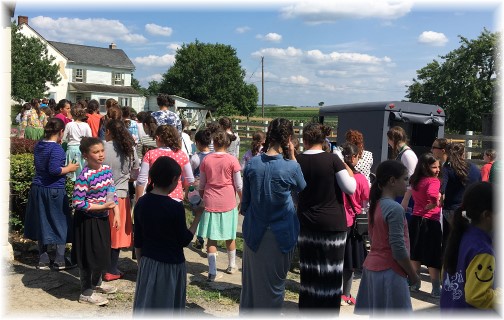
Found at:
<point>132,173</point>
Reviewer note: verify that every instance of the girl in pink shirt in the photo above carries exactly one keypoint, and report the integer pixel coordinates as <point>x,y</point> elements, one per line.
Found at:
<point>63,111</point>
<point>354,204</point>
<point>424,226</point>
<point>220,181</point>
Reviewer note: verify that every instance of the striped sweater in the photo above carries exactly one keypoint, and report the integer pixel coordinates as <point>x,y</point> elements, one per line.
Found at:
<point>91,188</point>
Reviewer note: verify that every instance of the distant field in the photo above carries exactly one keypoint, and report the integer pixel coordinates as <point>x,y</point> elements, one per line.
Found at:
<point>297,114</point>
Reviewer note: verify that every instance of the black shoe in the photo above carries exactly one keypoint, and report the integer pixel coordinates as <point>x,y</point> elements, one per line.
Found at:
<point>64,266</point>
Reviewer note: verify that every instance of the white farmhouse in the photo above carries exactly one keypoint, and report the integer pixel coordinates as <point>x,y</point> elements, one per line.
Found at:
<point>89,72</point>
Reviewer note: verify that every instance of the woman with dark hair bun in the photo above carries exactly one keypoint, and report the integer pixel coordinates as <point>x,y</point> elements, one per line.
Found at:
<point>323,221</point>
<point>48,219</point>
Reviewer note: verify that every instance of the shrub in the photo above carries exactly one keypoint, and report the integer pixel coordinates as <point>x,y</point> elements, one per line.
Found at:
<point>21,145</point>
<point>22,171</point>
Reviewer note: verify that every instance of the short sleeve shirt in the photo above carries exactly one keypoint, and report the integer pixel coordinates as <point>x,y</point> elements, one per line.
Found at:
<point>220,194</point>
<point>180,157</point>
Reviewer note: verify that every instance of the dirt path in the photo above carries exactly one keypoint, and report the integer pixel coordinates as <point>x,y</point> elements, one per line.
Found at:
<point>47,293</point>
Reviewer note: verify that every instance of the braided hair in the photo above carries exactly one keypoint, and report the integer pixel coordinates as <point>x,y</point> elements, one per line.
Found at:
<point>279,131</point>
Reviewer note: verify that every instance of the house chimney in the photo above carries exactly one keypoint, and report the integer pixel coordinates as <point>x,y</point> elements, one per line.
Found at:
<point>22,19</point>
<point>112,46</point>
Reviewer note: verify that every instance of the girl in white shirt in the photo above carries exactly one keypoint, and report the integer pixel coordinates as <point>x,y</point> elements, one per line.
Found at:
<point>73,134</point>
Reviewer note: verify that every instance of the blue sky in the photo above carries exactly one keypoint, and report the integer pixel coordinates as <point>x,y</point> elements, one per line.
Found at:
<point>335,52</point>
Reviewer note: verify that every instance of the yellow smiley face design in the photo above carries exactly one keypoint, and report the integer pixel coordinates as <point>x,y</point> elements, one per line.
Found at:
<point>484,273</point>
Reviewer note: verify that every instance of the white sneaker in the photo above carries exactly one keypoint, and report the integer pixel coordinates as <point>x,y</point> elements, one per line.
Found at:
<point>94,299</point>
<point>105,288</point>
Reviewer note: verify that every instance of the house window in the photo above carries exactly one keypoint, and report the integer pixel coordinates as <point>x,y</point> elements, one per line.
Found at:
<point>118,79</point>
<point>78,97</point>
<point>125,102</point>
<point>102,102</point>
<point>79,75</point>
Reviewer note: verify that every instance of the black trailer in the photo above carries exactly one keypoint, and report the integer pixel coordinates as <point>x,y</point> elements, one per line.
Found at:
<point>423,123</point>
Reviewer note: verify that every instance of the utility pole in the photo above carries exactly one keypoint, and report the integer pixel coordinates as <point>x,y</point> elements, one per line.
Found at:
<point>262,83</point>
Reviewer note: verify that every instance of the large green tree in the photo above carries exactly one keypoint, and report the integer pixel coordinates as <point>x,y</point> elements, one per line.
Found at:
<point>211,74</point>
<point>32,67</point>
<point>464,83</point>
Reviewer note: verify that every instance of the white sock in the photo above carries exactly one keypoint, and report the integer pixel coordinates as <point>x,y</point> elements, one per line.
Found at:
<point>212,263</point>
<point>232,258</point>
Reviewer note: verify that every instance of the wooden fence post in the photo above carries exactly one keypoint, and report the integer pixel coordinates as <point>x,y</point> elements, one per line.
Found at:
<point>266,126</point>
<point>301,137</point>
<point>468,144</point>
<point>236,126</point>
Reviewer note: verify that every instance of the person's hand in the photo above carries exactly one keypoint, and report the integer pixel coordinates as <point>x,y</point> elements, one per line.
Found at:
<point>292,150</point>
<point>413,279</point>
<point>117,221</point>
<point>109,205</point>
<point>430,206</point>
<point>72,167</point>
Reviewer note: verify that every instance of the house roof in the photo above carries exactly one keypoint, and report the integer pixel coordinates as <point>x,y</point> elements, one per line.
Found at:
<point>80,54</point>
<point>89,87</point>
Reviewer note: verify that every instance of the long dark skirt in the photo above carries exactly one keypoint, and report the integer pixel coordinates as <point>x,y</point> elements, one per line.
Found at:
<point>91,245</point>
<point>160,288</point>
<point>263,277</point>
<point>321,257</point>
<point>355,252</point>
<point>48,219</point>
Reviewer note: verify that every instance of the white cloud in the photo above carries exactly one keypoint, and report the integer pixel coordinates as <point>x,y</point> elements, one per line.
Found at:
<point>156,61</point>
<point>273,37</point>
<point>173,46</point>
<point>158,30</point>
<point>347,57</point>
<point>433,38</point>
<point>156,77</point>
<point>77,30</point>
<point>279,53</point>
<point>298,79</point>
<point>242,29</point>
<point>331,11</point>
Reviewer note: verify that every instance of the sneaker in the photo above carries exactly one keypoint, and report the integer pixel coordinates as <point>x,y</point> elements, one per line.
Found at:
<point>436,293</point>
<point>344,300</point>
<point>43,266</point>
<point>416,287</point>
<point>350,300</point>
<point>111,277</point>
<point>105,288</point>
<point>213,277</point>
<point>94,299</point>
<point>67,265</point>
<point>198,245</point>
<point>231,270</point>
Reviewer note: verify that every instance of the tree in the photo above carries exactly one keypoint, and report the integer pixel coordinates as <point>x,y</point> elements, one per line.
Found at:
<point>32,67</point>
<point>464,84</point>
<point>210,74</point>
<point>154,88</point>
<point>135,84</point>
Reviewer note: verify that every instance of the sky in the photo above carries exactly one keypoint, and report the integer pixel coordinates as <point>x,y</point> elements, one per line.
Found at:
<point>328,51</point>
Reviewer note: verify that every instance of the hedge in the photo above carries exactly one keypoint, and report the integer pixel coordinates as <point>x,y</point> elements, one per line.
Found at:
<point>22,171</point>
